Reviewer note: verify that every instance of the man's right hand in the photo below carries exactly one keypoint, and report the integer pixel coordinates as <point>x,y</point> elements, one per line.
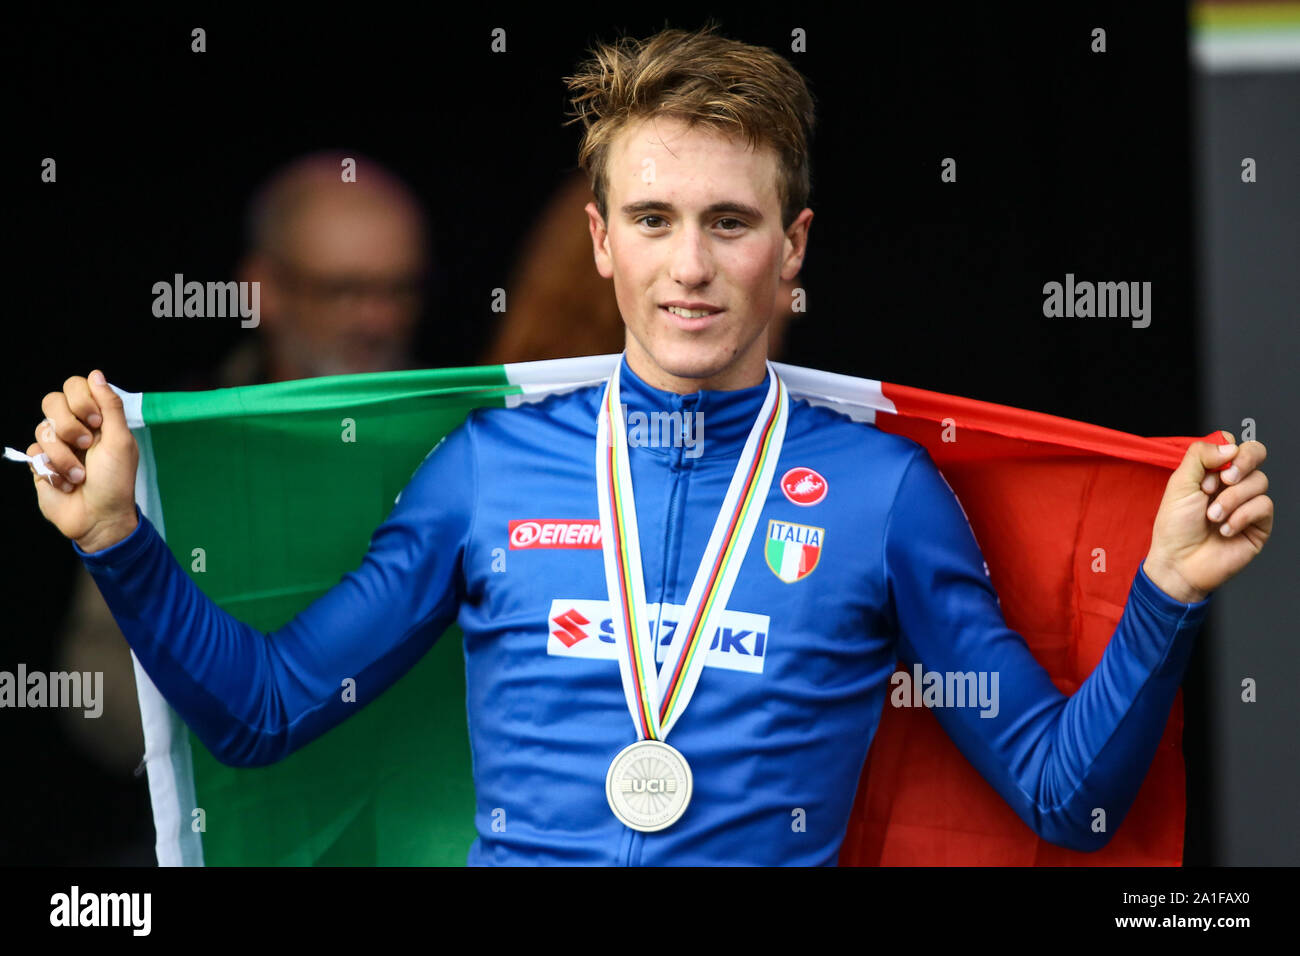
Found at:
<point>94,455</point>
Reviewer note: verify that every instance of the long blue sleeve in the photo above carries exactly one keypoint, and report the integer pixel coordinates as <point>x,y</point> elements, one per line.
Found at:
<point>253,698</point>
<point>1054,759</point>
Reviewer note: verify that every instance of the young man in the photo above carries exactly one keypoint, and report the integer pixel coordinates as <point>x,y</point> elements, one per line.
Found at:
<point>750,697</point>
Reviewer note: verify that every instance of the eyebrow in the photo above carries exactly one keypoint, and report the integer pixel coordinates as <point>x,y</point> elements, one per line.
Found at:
<point>656,205</point>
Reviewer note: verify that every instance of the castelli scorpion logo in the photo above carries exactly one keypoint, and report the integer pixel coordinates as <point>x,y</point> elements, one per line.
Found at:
<point>803,486</point>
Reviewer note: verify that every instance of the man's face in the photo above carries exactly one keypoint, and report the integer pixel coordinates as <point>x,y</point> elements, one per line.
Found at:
<point>694,244</point>
<point>345,296</point>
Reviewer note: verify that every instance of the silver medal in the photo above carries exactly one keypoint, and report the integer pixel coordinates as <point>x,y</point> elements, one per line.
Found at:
<point>648,785</point>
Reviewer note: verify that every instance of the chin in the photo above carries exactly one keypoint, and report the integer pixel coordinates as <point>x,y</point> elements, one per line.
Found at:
<point>687,359</point>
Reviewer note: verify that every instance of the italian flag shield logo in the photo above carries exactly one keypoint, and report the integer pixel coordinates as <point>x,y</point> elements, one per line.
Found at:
<point>792,550</point>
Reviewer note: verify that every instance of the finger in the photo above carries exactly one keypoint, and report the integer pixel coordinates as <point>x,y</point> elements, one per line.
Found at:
<point>62,459</point>
<point>1250,456</point>
<point>68,427</point>
<point>33,450</point>
<point>82,403</point>
<point>1255,513</point>
<point>1201,457</point>
<point>114,429</point>
<point>1211,483</point>
<point>1232,497</point>
<point>1221,437</point>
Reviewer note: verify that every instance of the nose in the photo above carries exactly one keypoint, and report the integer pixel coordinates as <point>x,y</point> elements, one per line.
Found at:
<point>691,264</point>
<point>385,307</point>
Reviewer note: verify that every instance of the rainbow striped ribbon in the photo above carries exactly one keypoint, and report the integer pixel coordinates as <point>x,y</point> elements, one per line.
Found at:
<point>657,698</point>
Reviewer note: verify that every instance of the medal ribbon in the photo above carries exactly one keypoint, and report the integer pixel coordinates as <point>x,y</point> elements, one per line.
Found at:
<point>656,699</point>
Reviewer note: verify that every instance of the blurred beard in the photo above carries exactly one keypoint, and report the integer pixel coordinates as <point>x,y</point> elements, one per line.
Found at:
<point>348,356</point>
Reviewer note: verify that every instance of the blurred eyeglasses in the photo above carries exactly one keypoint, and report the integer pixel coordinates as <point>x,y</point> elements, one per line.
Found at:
<point>343,291</point>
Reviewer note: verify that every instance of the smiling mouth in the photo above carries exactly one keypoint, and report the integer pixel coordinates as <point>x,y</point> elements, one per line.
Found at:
<point>691,320</point>
<point>691,313</point>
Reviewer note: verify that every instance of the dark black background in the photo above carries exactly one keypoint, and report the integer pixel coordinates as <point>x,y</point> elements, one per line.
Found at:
<point>1068,161</point>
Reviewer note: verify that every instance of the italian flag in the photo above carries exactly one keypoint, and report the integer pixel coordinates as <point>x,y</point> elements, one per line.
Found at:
<point>268,494</point>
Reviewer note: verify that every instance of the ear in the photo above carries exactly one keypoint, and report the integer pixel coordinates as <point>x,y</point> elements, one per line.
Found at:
<point>796,245</point>
<point>599,241</point>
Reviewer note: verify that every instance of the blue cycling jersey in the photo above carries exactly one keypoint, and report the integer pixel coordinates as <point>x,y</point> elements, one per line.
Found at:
<point>497,530</point>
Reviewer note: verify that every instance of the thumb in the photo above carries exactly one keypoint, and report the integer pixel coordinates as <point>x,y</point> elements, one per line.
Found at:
<point>114,429</point>
<point>1210,454</point>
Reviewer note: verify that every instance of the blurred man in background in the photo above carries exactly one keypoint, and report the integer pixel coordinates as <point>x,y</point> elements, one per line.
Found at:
<point>342,267</point>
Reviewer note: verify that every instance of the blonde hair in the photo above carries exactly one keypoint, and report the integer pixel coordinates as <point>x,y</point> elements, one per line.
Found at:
<point>702,78</point>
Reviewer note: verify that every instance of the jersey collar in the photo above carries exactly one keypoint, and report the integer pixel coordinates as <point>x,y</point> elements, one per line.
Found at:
<point>719,424</point>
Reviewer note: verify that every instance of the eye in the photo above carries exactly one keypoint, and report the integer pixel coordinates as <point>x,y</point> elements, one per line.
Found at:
<point>651,221</point>
<point>730,224</point>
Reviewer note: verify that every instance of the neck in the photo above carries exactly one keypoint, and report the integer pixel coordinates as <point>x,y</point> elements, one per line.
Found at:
<point>744,371</point>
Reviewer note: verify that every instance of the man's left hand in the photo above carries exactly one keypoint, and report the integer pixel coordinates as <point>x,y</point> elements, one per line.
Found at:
<point>1211,524</point>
